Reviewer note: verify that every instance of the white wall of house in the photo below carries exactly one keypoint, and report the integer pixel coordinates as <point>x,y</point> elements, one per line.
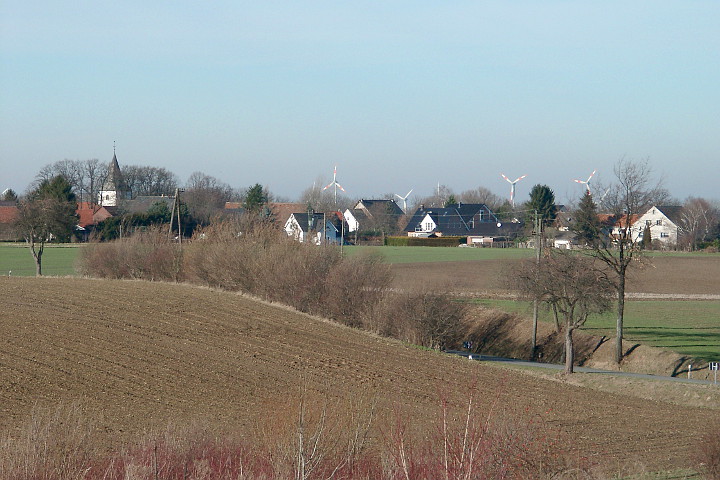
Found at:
<point>292,228</point>
<point>661,227</point>
<point>426,227</point>
<point>351,221</point>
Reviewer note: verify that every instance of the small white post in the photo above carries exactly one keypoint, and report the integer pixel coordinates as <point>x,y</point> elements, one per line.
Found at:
<point>690,370</point>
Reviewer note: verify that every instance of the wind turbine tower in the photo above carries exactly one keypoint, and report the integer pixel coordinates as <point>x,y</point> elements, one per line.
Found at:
<point>334,184</point>
<point>586,182</point>
<point>512,187</point>
<point>404,199</point>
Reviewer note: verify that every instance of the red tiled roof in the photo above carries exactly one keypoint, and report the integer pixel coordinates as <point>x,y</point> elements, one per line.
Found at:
<point>91,213</point>
<point>8,213</point>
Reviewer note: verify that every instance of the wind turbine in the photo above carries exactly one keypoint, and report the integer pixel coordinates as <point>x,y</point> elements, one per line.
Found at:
<point>512,187</point>
<point>335,184</point>
<point>404,199</point>
<point>586,182</point>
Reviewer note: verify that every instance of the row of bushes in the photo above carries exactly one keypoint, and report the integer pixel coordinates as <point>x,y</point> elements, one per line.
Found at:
<point>424,242</point>
<point>257,259</point>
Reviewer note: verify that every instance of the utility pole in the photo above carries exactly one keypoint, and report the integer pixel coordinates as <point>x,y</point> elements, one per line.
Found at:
<point>176,209</point>
<point>538,253</point>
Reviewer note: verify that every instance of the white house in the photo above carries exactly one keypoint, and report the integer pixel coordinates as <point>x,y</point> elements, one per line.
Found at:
<point>313,227</point>
<point>663,222</point>
<point>367,213</point>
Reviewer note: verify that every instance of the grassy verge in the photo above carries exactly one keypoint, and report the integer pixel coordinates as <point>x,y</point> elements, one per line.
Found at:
<point>57,259</point>
<point>686,327</point>
<point>440,254</point>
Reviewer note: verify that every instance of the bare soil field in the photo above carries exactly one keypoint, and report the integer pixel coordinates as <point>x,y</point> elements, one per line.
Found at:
<point>676,275</point>
<point>145,354</point>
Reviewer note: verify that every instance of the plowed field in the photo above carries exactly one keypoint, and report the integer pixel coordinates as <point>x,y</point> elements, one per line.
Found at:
<point>671,275</point>
<point>147,353</point>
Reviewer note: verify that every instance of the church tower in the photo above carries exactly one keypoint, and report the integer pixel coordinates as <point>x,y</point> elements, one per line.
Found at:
<point>114,189</point>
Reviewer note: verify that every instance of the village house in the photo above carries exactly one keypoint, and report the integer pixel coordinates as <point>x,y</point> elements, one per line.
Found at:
<point>315,228</point>
<point>472,220</point>
<point>663,222</point>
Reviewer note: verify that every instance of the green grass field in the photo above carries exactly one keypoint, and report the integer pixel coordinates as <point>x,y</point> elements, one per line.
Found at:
<point>56,260</point>
<point>443,254</point>
<point>684,326</point>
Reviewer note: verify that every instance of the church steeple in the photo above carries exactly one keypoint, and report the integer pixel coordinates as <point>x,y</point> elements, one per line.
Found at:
<point>114,189</point>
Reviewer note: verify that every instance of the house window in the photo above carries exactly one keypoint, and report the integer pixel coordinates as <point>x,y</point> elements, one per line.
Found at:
<point>658,222</point>
<point>648,222</point>
<point>664,235</point>
<point>428,226</point>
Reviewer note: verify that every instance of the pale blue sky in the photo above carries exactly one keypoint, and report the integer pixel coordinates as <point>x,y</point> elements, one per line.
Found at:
<point>398,94</point>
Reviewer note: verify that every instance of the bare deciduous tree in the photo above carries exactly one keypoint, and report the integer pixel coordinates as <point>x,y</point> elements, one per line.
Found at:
<point>205,196</point>
<point>633,192</point>
<point>323,200</point>
<point>697,221</point>
<point>573,285</point>
<point>48,211</point>
<point>482,195</point>
<point>142,180</point>
<point>85,176</point>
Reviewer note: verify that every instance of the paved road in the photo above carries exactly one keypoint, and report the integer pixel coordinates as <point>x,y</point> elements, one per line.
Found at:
<point>554,366</point>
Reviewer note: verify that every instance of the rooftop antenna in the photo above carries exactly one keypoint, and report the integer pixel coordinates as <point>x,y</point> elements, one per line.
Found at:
<point>512,187</point>
<point>334,184</point>
<point>404,199</point>
<point>586,182</point>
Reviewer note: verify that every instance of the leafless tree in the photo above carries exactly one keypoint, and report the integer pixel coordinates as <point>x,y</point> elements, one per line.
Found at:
<point>633,192</point>
<point>85,176</point>
<point>205,196</point>
<point>482,195</point>
<point>46,212</point>
<point>697,221</point>
<point>573,285</point>
<point>439,197</point>
<point>322,200</point>
<point>143,180</point>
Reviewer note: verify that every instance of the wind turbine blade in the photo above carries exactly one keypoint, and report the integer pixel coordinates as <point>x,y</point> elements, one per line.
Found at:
<point>339,186</point>
<point>519,178</point>
<point>328,186</point>
<point>398,196</point>
<point>408,193</point>
<point>591,175</point>
<point>506,178</point>
<point>580,181</point>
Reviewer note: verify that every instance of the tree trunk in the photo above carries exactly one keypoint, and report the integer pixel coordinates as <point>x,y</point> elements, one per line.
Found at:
<point>620,315</point>
<point>37,256</point>
<point>533,350</point>
<point>569,350</point>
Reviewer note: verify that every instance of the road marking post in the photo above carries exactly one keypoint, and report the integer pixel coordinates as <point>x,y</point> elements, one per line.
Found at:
<point>713,366</point>
<point>689,370</point>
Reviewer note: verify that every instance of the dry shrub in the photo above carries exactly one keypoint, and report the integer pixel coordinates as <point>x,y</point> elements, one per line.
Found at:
<point>429,319</point>
<point>55,443</point>
<point>259,259</point>
<point>312,435</point>
<point>480,441</point>
<point>355,289</point>
<point>146,255</point>
<point>709,454</point>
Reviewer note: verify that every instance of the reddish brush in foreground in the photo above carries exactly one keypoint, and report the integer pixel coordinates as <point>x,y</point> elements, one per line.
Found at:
<point>310,440</point>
